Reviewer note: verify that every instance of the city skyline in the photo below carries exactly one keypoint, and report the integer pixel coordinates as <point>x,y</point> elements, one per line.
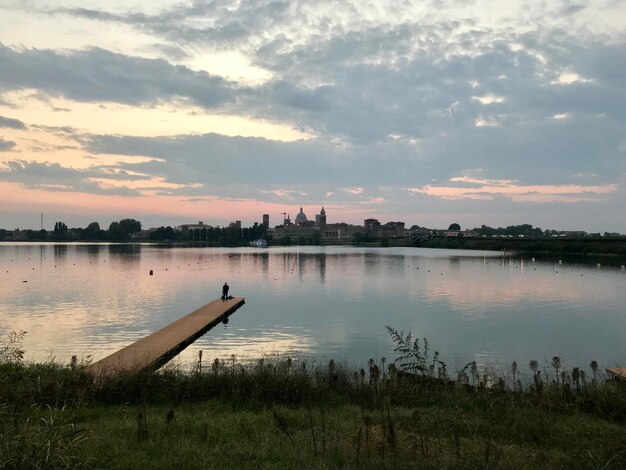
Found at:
<point>284,218</point>
<point>431,113</point>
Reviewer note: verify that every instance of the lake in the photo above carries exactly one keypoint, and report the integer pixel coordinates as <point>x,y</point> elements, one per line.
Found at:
<point>321,302</point>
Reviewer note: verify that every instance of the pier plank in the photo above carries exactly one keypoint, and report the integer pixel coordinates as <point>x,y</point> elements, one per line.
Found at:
<point>156,349</point>
<point>618,372</point>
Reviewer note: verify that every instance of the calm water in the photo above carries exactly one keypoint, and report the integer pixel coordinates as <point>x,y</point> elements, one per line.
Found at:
<point>320,301</point>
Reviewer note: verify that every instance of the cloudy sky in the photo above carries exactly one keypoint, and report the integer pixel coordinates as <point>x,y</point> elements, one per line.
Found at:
<point>430,111</point>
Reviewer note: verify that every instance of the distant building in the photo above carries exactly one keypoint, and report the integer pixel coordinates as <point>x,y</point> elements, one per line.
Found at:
<point>302,220</point>
<point>578,233</point>
<point>294,230</point>
<point>340,231</point>
<point>301,217</point>
<point>186,227</point>
<point>306,228</point>
<point>320,219</point>
<point>393,230</point>
<point>303,227</point>
<point>266,221</point>
<point>471,234</point>
<point>448,233</point>
<point>372,227</point>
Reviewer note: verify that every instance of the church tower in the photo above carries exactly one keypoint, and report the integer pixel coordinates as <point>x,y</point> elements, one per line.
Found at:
<point>322,217</point>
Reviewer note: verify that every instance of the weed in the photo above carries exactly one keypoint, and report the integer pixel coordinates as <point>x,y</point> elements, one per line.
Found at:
<point>39,438</point>
<point>13,352</point>
<point>382,415</point>
<point>415,358</point>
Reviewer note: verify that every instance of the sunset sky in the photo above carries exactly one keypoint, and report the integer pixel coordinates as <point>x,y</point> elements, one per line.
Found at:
<point>429,112</point>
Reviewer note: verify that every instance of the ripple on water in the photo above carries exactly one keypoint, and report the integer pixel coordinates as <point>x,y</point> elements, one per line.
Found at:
<point>316,300</point>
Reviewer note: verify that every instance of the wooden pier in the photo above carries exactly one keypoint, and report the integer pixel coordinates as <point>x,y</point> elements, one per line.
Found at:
<point>618,372</point>
<point>156,349</point>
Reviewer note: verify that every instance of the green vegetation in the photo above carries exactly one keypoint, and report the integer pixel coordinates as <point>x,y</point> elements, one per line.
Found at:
<point>615,246</point>
<point>526,230</point>
<point>129,230</point>
<point>285,413</point>
<point>288,240</point>
<point>124,230</point>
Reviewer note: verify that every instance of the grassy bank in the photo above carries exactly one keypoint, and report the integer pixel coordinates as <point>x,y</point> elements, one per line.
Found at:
<point>613,246</point>
<point>284,413</point>
<point>450,432</point>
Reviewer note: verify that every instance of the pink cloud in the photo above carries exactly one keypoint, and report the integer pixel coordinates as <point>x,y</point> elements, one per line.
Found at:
<point>22,199</point>
<point>211,209</point>
<point>486,189</point>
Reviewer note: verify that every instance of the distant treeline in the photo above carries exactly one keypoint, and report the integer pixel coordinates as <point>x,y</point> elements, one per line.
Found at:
<point>527,230</point>
<point>232,235</point>
<point>130,230</point>
<point>575,245</point>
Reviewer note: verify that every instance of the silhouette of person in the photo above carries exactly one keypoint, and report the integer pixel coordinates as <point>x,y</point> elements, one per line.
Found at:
<point>225,291</point>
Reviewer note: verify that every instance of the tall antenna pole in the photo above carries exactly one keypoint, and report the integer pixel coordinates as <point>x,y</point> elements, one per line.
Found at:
<point>42,221</point>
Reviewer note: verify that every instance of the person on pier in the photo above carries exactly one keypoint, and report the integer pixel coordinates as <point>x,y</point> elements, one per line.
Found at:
<point>225,291</point>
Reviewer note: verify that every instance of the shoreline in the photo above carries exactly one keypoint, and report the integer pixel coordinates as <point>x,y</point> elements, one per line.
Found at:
<point>567,246</point>
<point>572,246</point>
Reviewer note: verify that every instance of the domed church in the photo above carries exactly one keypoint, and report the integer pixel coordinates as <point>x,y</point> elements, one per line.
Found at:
<point>303,227</point>
<point>301,217</point>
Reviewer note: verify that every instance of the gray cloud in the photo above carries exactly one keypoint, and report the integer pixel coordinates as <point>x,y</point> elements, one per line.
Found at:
<point>571,7</point>
<point>6,145</point>
<point>269,170</point>
<point>12,123</point>
<point>364,86</point>
<point>252,167</point>
<point>54,177</point>
<point>434,91</point>
<point>100,75</point>
<point>216,25</point>
<point>225,23</point>
<point>391,104</point>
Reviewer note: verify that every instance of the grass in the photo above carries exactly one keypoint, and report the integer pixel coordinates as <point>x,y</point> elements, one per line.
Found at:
<point>286,413</point>
<point>456,433</point>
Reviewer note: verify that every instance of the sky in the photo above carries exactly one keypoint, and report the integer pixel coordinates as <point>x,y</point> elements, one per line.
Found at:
<point>429,112</point>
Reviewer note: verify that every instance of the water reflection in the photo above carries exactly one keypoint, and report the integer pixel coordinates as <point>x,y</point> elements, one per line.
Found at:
<point>60,253</point>
<point>323,301</point>
<point>321,267</point>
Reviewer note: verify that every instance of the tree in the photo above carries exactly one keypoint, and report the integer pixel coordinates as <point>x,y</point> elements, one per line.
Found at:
<point>129,228</point>
<point>285,240</point>
<point>316,238</point>
<point>41,234</point>
<point>455,227</point>
<point>124,229</point>
<point>60,230</point>
<point>233,235</point>
<point>114,231</point>
<point>92,231</point>
<point>164,233</point>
